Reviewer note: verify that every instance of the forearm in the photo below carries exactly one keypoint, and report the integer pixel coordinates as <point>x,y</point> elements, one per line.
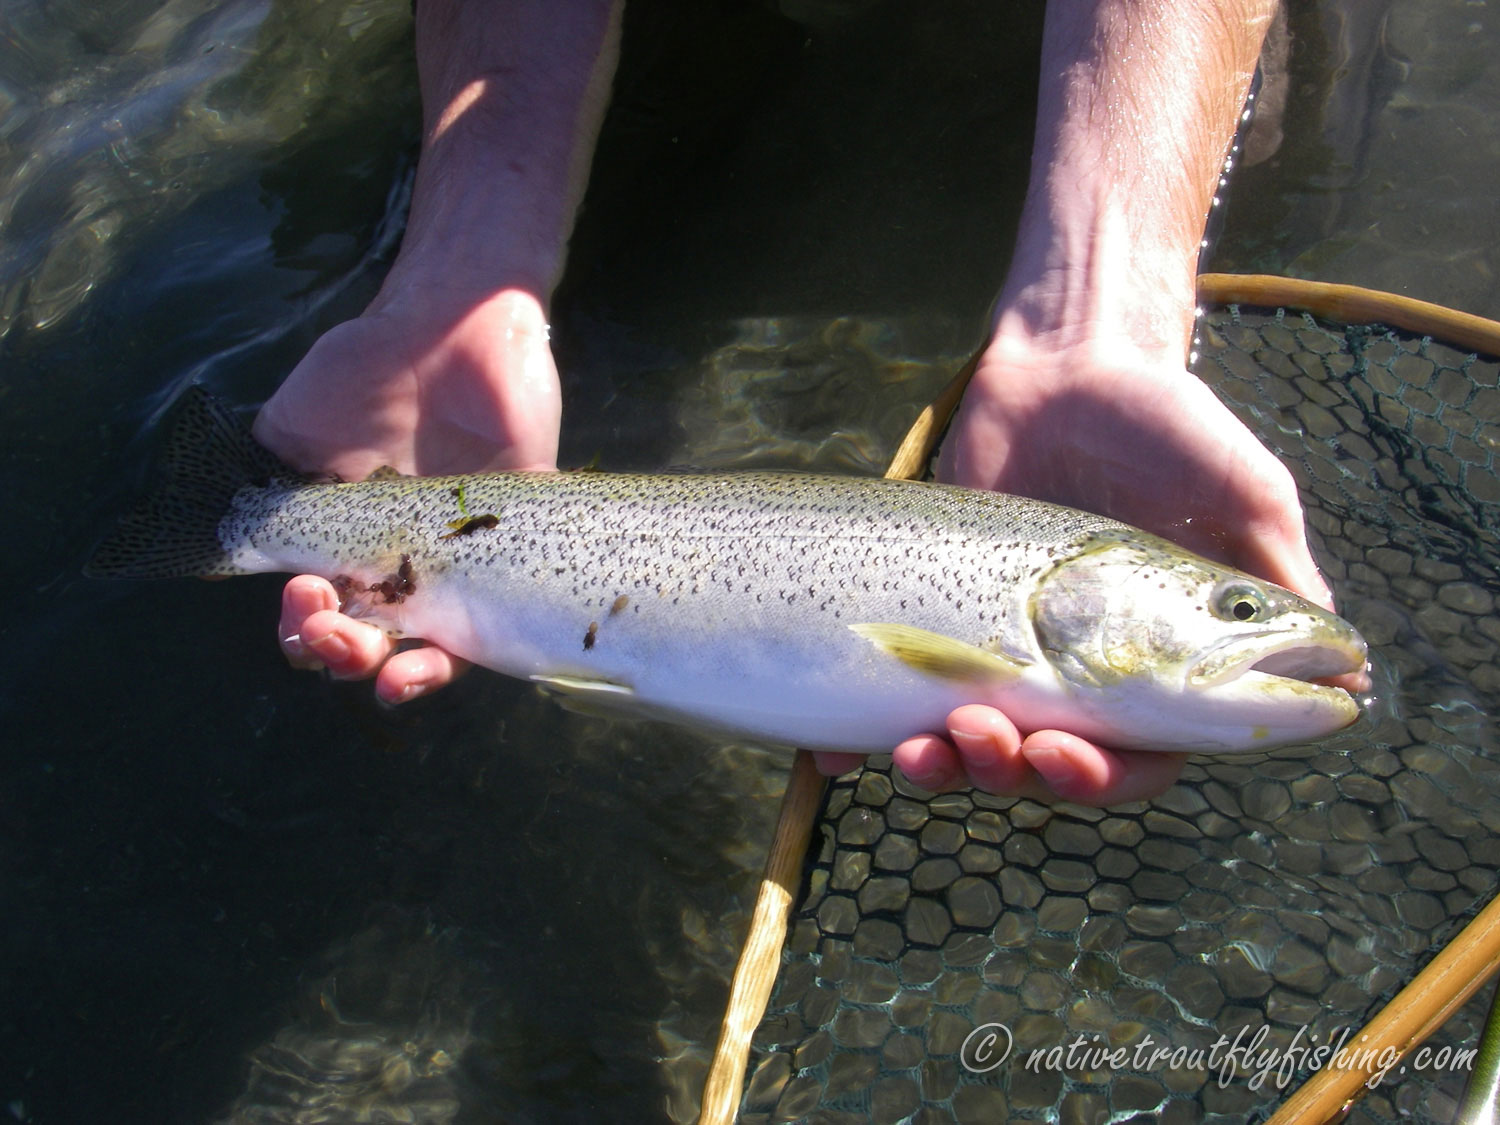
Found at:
<point>513,94</point>
<point>1139,101</point>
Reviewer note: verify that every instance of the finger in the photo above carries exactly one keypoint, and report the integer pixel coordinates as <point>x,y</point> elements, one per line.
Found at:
<point>930,762</point>
<point>302,597</point>
<point>349,649</point>
<point>417,671</point>
<point>835,763</point>
<point>1273,541</point>
<point>1077,770</point>
<point>989,750</point>
<point>1355,683</point>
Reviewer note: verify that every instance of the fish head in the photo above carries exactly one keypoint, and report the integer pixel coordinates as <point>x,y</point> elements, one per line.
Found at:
<point>1200,655</point>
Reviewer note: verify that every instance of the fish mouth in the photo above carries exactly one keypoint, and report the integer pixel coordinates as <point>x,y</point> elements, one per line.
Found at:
<point>1280,660</point>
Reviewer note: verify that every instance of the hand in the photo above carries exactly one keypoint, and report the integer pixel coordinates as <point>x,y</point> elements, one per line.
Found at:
<point>984,750</point>
<point>1105,427</point>
<point>423,389</point>
<point>422,394</point>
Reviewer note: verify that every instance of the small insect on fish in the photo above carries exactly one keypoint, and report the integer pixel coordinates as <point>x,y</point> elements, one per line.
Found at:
<point>827,612</point>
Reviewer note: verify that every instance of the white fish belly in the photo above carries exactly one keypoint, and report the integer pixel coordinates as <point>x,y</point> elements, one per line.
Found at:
<point>794,680</point>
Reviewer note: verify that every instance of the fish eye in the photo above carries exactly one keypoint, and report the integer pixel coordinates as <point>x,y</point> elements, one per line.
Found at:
<point>1239,602</point>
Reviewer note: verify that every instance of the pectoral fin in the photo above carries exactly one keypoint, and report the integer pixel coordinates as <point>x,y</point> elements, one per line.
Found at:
<point>936,655</point>
<point>600,698</point>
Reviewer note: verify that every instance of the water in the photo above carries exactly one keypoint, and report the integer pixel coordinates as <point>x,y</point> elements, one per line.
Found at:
<point>226,882</point>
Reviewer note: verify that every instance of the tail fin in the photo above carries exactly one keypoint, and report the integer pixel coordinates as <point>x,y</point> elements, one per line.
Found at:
<point>173,533</point>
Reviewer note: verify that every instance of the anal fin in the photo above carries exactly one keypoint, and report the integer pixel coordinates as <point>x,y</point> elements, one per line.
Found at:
<point>588,696</point>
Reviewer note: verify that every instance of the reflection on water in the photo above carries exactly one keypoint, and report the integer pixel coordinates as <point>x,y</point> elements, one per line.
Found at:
<point>120,118</point>
<point>235,892</point>
<point>835,396</point>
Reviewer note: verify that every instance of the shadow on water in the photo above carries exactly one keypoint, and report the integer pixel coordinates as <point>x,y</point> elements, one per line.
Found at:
<point>237,892</point>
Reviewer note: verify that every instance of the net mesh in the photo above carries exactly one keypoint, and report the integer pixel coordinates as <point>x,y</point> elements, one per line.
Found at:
<point>1272,901</point>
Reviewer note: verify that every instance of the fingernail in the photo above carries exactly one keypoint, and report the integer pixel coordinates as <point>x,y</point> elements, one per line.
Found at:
<point>977,749</point>
<point>298,656</point>
<point>330,646</point>
<point>1055,767</point>
<point>410,692</point>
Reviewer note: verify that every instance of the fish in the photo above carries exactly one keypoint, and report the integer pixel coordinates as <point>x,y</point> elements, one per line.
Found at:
<point>821,611</point>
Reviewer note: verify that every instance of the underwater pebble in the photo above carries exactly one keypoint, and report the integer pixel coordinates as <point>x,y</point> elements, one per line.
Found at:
<point>838,914</point>
<point>850,1072</point>
<point>798,1098</point>
<point>859,1027</point>
<point>878,938</point>
<point>919,967</point>
<point>951,806</point>
<point>1061,914</point>
<point>934,874</point>
<point>1072,838</point>
<point>1108,898</point>
<point>902,1052</point>
<point>1083,1108</point>
<point>860,826</point>
<point>905,815</point>
<point>980,1105</point>
<point>1239,977</point>
<point>870,983</point>
<point>963,951</point>
<point>1158,886</point>
<point>1153,920</point>
<point>942,837</point>
<point>850,870</point>
<point>987,827</point>
<point>768,1080</point>
<point>1034,1089</point>
<point>896,853</point>
<point>1024,850</point>
<point>926,922</point>
<point>1266,800</point>
<point>874,789</point>
<point>973,902</point>
<point>1052,953</point>
<point>1196,988</point>
<point>893,1099</point>
<point>883,893</point>
<point>1121,832</point>
<point>1068,875</point>
<point>1014,929</point>
<point>980,859</point>
<point>1019,888</point>
<point>1116,863</point>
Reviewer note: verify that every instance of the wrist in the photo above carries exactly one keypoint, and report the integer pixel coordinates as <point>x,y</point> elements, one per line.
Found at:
<point>1082,282</point>
<point>513,97</point>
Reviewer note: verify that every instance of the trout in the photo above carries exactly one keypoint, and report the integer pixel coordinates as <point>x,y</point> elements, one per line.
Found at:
<point>827,612</point>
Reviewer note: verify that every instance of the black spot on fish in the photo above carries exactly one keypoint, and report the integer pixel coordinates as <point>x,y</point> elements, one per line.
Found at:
<point>591,636</point>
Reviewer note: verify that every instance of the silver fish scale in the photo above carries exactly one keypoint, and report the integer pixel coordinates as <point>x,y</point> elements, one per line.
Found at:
<point>1293,893</point>
<point>765,542</point>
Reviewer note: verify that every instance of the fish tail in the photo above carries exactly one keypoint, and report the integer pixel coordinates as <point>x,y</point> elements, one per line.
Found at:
<point>174,531</point>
